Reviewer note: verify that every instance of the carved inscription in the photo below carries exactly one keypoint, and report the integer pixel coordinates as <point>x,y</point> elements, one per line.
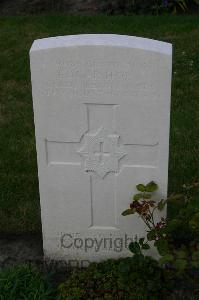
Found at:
<point>96,78</point>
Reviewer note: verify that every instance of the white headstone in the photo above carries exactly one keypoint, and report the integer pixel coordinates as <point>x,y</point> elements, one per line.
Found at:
<point>102,110</point>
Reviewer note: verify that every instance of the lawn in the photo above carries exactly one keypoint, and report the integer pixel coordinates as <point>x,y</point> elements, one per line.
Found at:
<point>19,196</point>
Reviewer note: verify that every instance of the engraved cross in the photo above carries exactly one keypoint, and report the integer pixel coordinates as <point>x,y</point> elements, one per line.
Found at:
<point>99,153</point>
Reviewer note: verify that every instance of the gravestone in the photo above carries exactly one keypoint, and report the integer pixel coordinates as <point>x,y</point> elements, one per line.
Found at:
<point>101,110</point>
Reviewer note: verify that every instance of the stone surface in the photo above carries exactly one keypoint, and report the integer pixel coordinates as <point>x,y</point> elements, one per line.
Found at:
<point>102,110</point>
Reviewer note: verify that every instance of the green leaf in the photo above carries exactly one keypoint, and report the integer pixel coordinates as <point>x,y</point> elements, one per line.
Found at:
<point>195,264</point>
<point>151,187</point>
<point>180,264</point>
<point>161,205</point>
<point>145,247</point>
<point>124,267</point>
<point>194,222</point>
<point>162,246</point>
<point>129,211</point>
<point>141,187</point>
<point>147,196</point>
<point>195,255</point>
<point>163,231</point>
<point>174,225</point>
<point>151,235</point>
<point>183,6</point>
<point>177,199</point>
<point>141,241</point>
<point>181,254</point>
<point>134,247</point>
<point>166,258</point>
<point>137,197</point>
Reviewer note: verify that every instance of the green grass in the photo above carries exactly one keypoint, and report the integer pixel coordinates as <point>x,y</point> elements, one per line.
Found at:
<point>25,282</point>
<point>19,196</point>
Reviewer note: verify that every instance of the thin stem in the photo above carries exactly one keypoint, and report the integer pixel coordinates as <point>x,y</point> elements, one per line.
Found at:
<point>151,215</point>
<point>148,225</point>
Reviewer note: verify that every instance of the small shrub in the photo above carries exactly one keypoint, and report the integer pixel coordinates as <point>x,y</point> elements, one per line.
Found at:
<point>175,237</point>
<point>128,278</point>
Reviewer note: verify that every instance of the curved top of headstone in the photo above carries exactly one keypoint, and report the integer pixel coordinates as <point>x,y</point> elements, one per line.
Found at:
<point>102,40</point>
